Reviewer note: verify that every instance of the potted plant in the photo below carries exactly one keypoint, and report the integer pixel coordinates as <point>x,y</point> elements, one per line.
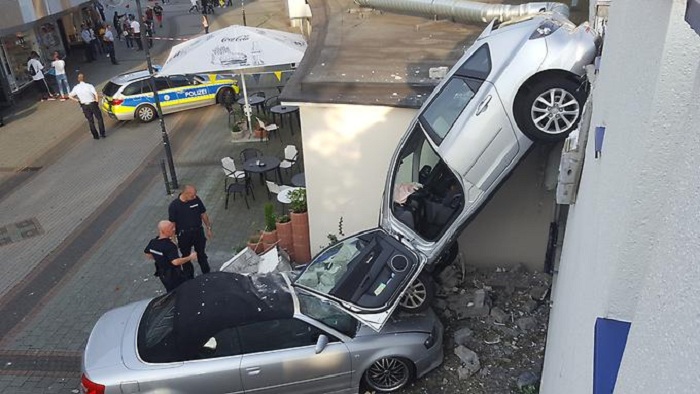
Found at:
<point>284,234</point>
<point>269,235</point>
<point>238,126</point>
<point>255,243</point>
<point>260,133</point>
<point>300,225</point>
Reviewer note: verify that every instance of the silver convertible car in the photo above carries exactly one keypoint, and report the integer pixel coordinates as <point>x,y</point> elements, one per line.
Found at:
<point>520,83</point>
<point>231,333</point>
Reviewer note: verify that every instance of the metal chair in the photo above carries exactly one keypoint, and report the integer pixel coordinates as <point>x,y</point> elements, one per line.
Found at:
<point>243,189</point>
<point>291,155</point>
<point>250,153</point>
<point>230,171</point>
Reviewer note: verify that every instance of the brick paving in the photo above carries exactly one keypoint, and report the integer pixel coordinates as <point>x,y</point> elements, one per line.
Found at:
<point>98,203</point>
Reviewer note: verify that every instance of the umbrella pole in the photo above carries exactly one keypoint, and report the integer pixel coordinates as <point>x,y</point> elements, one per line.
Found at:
<point>246,106</point>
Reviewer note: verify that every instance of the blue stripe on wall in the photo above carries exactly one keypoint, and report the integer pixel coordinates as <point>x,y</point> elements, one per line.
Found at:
<point>610,340</point>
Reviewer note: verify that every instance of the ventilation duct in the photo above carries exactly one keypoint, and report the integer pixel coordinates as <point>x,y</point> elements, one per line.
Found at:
<point>464,11</point>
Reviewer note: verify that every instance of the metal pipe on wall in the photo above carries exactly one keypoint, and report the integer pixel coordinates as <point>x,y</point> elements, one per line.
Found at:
<point>465,11</point>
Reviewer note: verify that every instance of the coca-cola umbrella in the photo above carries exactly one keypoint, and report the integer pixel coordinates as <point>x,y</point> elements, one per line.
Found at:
<point>235,48</point>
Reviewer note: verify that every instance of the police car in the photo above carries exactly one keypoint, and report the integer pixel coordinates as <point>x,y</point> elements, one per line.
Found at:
<point>129,96</point>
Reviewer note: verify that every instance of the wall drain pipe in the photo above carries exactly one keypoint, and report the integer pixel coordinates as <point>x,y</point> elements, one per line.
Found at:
<point>464,11</point>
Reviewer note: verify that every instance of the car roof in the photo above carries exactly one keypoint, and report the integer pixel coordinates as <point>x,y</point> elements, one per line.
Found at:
<point>127,77</point>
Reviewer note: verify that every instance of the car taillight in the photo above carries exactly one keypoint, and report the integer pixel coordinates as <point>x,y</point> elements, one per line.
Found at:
<point>90,387</point>
<point>117,101</point>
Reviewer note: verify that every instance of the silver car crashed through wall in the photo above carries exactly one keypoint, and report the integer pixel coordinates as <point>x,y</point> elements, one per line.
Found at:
<point>520,83</point>
<point>230,333</point>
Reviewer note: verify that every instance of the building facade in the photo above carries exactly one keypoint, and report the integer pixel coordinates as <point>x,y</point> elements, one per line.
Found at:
<point>43,26</point>
<point>626,302</point>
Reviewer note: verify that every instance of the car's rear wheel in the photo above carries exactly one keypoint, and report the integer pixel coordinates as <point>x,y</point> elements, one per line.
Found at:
<point>550,109</point>
<point>389,374</point>
<point>145,113</point>
<point>419,294</point>
<point>226,96</point>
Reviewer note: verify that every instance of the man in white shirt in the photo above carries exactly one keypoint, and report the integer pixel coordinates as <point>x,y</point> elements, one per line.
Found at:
<point>59,67</point>
<point>86,95</point>
<point>109,44</point>
<point>136,29</point>
<point>34,67</point>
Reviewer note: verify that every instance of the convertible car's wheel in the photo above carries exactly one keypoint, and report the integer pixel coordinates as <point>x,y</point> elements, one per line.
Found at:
<point>550,109</point>
<point>226,96</point>
<point>145,113</point>
<point>388,374</point>
<point>419,294</point>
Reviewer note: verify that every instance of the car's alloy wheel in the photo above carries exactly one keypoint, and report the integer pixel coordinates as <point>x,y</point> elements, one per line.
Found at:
<point>388,374</point>
<point>550,109</point>
<point>418,295</point>
<point>226,96</point>
<point>145,113</point>
<point>555,111</point>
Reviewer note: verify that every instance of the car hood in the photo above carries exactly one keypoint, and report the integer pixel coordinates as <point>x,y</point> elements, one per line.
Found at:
<point>404,322</point>
<point>104,346</point>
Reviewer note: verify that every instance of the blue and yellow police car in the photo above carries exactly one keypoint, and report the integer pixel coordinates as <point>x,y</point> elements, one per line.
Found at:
<point>129,96</point>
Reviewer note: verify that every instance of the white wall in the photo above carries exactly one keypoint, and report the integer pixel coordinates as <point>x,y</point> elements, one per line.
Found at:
<point>347,149</point>
<point>631,249</point>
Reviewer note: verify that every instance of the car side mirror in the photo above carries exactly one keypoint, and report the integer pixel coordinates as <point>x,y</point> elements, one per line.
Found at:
<point>321,343</point>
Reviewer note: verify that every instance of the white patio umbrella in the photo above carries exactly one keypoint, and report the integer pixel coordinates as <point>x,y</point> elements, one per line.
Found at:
<point>235,48</point>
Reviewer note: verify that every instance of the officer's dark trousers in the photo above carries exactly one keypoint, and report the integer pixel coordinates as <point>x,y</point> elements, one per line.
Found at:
<point>93,110</point>
<point>186,239</point>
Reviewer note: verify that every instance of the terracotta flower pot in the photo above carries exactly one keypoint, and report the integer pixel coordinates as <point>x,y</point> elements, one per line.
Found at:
<point>269,239</point>
<point>260,133</point>
<point>300,234</point>
<point>257,246</point>
<point>284,234</point>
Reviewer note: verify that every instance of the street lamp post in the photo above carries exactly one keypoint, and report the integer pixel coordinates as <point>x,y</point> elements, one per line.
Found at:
<point>243,9</point>
<point>152,82</point>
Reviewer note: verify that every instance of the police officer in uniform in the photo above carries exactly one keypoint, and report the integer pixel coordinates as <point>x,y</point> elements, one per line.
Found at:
<point>167,260</point>
<point>86,95</point>
<point>188,213</point>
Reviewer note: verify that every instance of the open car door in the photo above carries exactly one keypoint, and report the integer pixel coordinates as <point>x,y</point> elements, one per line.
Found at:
<point>365,274</point>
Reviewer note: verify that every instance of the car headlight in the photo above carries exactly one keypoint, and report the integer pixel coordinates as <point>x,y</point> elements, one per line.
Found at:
<point>546,28</point>
<point>431,338</point>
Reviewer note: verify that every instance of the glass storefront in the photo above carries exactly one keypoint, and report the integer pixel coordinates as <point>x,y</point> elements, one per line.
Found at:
<point>50,39</point>
<point>16,50</point>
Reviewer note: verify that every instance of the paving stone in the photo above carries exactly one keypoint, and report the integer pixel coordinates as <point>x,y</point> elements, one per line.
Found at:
<point>462,335</point>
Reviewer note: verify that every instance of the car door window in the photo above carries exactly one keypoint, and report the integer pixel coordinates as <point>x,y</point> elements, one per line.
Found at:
<point>278,334</point>
<point>133,88</point>
<point>440,114</point>
<point>478,65</point>
<point>162,83</point>
<point>426,195</point>
<point>327,314</point>
<point>177,81</point>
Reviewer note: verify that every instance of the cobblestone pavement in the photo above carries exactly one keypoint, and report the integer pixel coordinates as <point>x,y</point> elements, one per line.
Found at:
<point>93,206</point>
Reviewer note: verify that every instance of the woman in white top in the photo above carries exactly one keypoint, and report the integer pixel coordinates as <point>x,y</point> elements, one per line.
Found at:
<point>61,78</point>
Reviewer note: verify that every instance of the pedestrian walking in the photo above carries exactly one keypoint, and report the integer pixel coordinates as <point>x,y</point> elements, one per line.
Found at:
<point>59,66</point>
<point>188,213</point>
<point>168,262</point>
<point>128,37</point>
<point>86,95</point>
<point>109,44</point>
<point>87,36</point>
<point>195,6</point>
<point>148,31</point>
<point>116,21</point>
<point>35,69</point>
<point>136,31</point>
<point>158,11</point>
<point>205,24</point>
<point>101,10</point>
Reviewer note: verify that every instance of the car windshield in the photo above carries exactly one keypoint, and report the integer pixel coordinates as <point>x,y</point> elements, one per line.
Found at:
<point>326,270</point>
<point>426,195</point>
<point>110,89</point>
<point>326,313</point>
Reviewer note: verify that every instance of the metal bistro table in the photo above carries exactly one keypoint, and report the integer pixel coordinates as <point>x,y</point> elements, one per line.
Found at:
<point>299,180</point>
<point>285,111</point>
<point>254,101</point>
<point>262,165</point>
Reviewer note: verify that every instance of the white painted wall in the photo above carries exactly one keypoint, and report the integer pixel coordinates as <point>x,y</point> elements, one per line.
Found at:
<point>347,149</point>
<point>631,249</point>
